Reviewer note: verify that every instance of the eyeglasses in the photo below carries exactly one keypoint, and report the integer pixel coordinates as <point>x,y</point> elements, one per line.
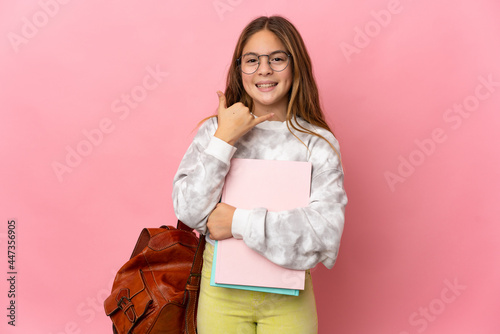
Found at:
<point>250,62</point>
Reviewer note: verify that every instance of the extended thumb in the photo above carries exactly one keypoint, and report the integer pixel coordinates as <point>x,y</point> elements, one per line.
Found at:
<point>222,99</point>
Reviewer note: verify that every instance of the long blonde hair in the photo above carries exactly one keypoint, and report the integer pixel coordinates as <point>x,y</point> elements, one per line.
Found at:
<point>303,97</point>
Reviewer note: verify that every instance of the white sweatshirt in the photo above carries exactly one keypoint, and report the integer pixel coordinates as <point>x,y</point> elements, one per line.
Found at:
<point>296,239</point>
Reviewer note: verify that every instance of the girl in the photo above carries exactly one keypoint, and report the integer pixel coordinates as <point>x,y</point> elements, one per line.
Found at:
<point>270,110</point>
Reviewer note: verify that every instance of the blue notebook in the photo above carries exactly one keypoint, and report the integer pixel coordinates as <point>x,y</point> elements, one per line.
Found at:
<point>290,292</point>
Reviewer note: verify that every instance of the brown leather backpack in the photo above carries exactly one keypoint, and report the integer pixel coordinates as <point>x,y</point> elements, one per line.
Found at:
<point>156,291</point>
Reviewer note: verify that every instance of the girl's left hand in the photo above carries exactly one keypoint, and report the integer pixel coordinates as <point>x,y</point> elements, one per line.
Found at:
<point>220,221</point>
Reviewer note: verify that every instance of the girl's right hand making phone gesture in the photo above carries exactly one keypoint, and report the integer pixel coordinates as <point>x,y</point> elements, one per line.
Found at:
<point>235,121</point>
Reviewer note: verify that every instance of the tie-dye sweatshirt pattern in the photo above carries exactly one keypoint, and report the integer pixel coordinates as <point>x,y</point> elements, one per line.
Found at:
<point>296,239</point>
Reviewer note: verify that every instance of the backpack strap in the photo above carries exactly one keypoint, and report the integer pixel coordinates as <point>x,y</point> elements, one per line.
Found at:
<point>182,226</point>
<point>193,286</point>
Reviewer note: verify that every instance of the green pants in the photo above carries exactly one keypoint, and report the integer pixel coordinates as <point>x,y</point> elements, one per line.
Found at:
<point>232,311</point>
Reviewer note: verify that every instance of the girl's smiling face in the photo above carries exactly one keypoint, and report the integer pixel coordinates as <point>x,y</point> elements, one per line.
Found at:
<point>267,88</point>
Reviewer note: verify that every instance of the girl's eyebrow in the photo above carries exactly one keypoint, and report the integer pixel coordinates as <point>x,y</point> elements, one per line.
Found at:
<point>254,53</point>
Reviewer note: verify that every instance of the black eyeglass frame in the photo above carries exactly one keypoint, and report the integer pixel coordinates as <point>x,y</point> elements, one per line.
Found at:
<point>289,55</point>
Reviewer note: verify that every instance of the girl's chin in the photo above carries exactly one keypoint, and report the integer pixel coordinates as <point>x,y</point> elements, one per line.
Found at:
<point>265,102</point>
<point>265,98</point>
<point>269,105</point>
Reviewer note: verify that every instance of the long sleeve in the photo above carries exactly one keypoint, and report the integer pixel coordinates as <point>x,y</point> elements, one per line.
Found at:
<point>199,180</point>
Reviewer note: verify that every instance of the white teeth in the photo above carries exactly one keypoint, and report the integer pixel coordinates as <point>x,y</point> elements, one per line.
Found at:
<point>267,85</point>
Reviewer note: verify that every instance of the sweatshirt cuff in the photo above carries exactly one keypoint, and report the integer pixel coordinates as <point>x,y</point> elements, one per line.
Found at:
<point>240,220</point>
<point>220,149</point>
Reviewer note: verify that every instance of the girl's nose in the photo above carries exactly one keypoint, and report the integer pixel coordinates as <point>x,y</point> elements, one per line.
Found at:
<point>264,67</point>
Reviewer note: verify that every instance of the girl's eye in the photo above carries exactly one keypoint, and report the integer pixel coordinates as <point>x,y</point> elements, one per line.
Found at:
<point>277,59</point>
<point>250,59</point>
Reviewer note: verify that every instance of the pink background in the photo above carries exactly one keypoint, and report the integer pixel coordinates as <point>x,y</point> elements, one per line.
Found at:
<point>422,177</point>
